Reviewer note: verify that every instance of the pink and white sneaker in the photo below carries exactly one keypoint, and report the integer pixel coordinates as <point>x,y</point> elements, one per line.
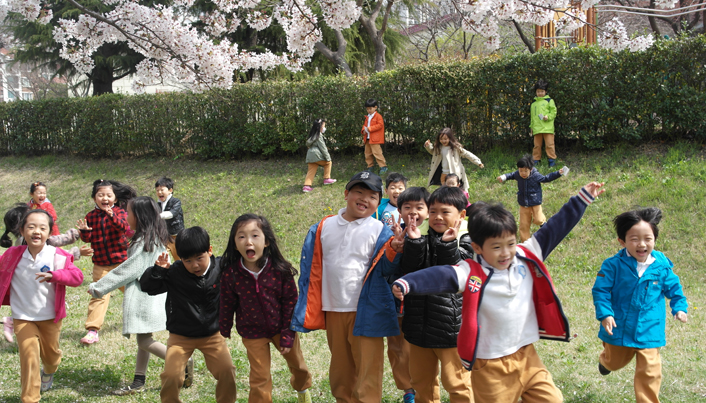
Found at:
<point>329,181</point>
<point>8,329</point>
<point>307,189</point>
<point>90,337</point>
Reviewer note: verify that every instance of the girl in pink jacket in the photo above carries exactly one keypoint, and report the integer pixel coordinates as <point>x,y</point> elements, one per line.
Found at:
<point>33,278</point>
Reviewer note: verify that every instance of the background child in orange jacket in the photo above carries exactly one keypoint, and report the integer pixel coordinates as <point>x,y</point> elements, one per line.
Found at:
<point>373,132</point>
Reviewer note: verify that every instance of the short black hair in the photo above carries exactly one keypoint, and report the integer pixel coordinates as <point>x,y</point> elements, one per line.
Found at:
<point>525,162</point>
<point>489,221</point>
<point>394,177</point>
<point>413,194</point>
<point>166,182</point>
<point>448,195</point>
<point>371,102</point>
<point>629,219</point>
<point>541,84</point>
<point>451,176</point>
<point>191,242</point>
<point>364,186</point>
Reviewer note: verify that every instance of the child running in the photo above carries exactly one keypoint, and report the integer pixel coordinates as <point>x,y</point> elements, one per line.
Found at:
<point>105,227</point>
<point>629,297</point>
<point>446,159</point>
<point>509,301</point>
<point>170,211</point>
<point>142,313</point>
<point>33,280</point>
<point>317,155</point>
<point>193,289</point>
<point>38,194</point>
<point>258,287</point>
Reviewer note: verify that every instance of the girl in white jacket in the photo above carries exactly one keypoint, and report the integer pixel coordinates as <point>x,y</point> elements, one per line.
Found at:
<point>446,158</point>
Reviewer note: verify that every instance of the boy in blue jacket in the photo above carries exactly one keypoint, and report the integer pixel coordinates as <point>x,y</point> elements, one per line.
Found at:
<point>343,288</point>
<point>509,301</point>
<point>629,297</point>
<point>529,193</point>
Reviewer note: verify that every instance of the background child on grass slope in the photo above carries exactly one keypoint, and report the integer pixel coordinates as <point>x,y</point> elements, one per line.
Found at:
<point>542,115</point>
<point>33,280</point>
<point>317,155</point>
<point>258,287</point>
<point>38,194</point>
<point>373,132</point>
<point>446,158</point>
<point>105,227</point>
<point>192,289</point>
<point>142,313</point>
<point>509,301</point>
<point>170,211</point>
<point>629,297</point>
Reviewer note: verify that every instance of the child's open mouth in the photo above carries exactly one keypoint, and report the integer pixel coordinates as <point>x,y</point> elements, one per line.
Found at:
<point>250,254</point>
<point>362,207</point>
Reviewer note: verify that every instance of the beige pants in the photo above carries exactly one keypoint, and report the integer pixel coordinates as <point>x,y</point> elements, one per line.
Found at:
<point>549,146</point>
<point>648,369</point>
<point>97,307</point>
<point>529,215</point>
<point>398,354</point>
<point>424,368</point>
<point>357,362</point>
<point>373,152</point>
<point>518,375</point>
<point>313,167</point>
<point>218,361</point>
<point>260,362</point>
<point>36,341</point>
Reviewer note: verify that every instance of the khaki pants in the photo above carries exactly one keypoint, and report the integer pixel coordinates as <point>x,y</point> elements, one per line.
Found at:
<point>518,375</point>
<point>35,341</point>
<point>424,368</point>
<point>398,354</point>
<point>218,361</point>
<point>648,369</point>
<point>529,215</point>
<point>97,307</point>
<point>313,167</point>
<point>172,249</point>
<point>374,150</point>
<point>260,362</point>
<point>549,146</point>
<point>357,362</point>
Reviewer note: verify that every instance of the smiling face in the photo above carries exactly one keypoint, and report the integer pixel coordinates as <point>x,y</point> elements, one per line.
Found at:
<point>444,140</point>
<point>541,93</point>
<point>639,241</point>
<point>361,202</point>
<point>36,231</point>
<point>198,264</point>
<point>498,251</point>
<point>251,243</point>
<point>524,172</point>
<point>394,190</point>
<point>418,211</point>
<point>39,195</point>
<point>443,216</point>
<point>163,192</point>
<point>105,198</point>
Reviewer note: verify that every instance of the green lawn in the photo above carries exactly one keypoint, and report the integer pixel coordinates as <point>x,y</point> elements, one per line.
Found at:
<point>215,193</point>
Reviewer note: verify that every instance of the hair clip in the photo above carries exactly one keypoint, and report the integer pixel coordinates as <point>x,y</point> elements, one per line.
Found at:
<point>36,184</point>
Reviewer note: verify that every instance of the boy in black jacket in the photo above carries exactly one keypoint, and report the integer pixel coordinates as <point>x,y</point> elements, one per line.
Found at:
<point>193,292</point>
<point>171,210</point>
<point>431,322</point>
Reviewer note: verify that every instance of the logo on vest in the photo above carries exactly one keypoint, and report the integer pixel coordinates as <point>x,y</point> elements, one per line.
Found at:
<point>474,284</point>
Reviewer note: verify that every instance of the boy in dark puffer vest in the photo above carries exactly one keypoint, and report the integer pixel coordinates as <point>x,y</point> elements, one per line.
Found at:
<point>431,322</point>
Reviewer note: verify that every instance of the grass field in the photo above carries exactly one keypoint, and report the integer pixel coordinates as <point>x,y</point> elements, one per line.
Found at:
<point>215,193</point>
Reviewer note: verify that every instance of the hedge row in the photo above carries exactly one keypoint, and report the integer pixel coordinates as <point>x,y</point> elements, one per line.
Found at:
<point>602,97</point>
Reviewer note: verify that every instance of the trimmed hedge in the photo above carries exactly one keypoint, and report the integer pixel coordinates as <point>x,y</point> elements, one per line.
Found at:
<point>602,97</point>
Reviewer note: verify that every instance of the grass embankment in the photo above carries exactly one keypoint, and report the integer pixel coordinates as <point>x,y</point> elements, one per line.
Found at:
<point>215,193</point>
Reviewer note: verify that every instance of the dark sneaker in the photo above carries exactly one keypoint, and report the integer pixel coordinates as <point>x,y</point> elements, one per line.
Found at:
<point>552,163</point>
<point>603,370</point>
<point>383,171</point>
<point>189,373</point>
<point>536,162</point>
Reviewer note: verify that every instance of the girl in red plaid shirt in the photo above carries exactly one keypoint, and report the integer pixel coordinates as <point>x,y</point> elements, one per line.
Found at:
<point>105,227</point>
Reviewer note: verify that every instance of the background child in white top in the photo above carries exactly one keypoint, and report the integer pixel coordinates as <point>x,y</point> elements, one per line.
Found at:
<point>446,158</point>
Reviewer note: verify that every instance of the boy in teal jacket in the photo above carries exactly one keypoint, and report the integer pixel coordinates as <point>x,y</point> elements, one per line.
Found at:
<point>542,115</point>
<point>629,298</point>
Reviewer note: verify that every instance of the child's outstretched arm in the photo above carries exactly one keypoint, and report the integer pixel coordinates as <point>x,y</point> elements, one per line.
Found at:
<point>602,292</point>
<point>471,157</point>
<point>560,224</point>
<point>677,301</point>
<point>128,271</point>
<point>511,176</point>
<point>433,280</point>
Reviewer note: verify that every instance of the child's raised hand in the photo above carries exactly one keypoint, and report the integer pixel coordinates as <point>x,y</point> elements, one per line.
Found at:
<point>681,316</point>
<point>284,350</point>
<point>397,292</point>
<point>81,225</point>
<point>595,189</point>
<point>396,226</point>
<point>85,250</point>
<point>609,323</point>
<point>500,179</point>
<point>163,260</point>
<point>109,211</point>
<point>427,143</point>
<point>481,166</point>
<point>451,233</point>
<point>413,231</point>
<point>46,277</point>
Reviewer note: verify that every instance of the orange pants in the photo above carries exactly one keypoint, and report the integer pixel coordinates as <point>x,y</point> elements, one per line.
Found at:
<point>648,369</point>
<point>97,307</point>
<point>313,167</point>
<point>529,215</point>
<point>424,368</point>
<point>357,362</point>
<point>518,375</point>
<point>218,361</point>
<point>549,146</point>
<point>373,152</point>
<point>260,362</point>
<point>35,341</point>
<point>398,354</point>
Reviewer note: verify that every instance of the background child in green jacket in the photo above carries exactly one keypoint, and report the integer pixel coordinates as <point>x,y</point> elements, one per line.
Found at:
<point>542,114</point>
<point>317,155</point>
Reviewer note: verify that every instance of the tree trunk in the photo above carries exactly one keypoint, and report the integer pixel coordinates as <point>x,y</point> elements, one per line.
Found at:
<point>102,79</point>
<point>337,57</point>
<point>524,38</point>
<point>377,35</point>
